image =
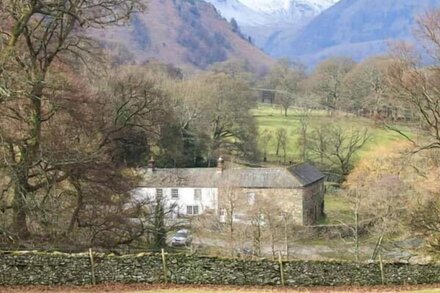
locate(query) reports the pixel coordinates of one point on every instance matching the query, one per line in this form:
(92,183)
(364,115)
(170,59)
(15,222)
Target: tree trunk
(356,234)
(19,224)
(79,205)
(231,226)
(272,243)
(286,237)
(27,158)
(257,238)
(159,234)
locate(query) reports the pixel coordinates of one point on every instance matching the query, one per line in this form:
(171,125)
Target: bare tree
(285,80)
(328,80)
(39,93)
(265,138)
(304,121)
(231,128)
(366,88)
(338,147)
(257,222)
(281,136)
(416,84)
(230,207)
(379,192)
(318,144)
(344,145)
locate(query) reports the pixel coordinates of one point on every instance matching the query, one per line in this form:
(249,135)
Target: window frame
(175,193)
(192,210)
(197,194)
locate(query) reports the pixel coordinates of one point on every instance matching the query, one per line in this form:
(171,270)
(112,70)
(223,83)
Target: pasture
(271,118)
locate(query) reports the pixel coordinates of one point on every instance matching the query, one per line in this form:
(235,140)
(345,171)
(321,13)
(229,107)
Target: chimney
(151,165)
(220,165)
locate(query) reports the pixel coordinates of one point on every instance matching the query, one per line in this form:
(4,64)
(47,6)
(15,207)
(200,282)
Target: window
(251,198)
(175,193)
(197,194)
(159,192)
(192,210)
(239,216)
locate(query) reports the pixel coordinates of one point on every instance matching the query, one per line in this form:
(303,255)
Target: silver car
(181,238)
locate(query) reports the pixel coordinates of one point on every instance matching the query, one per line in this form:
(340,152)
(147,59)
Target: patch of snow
(262,12)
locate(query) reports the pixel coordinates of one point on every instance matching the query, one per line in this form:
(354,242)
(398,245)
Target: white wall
(208,200)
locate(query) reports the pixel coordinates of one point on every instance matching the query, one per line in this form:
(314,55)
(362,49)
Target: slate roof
(293,177)
(306,174)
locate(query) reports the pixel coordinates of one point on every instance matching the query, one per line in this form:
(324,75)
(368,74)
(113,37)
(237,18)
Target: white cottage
(192,191)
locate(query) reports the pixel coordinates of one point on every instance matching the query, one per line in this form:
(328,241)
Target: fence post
(92,264)
(164,265)
(280,261)
(382,273)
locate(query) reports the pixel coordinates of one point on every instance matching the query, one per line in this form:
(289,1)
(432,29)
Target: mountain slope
(356,28)
(184,33)
(262,19)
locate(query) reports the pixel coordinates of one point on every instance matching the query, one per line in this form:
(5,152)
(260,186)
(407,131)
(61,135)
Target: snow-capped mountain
(352,28)
(276,5)
(262,19)
(244,15)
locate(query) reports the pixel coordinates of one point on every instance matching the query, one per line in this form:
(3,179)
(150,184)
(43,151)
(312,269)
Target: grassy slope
(270,117)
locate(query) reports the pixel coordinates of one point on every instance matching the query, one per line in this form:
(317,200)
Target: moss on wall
(56,269)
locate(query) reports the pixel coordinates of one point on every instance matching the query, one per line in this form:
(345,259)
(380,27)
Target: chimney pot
(220,165)
(151,165)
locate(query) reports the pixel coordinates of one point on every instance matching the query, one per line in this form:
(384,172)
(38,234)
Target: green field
(271,117)
(337,210)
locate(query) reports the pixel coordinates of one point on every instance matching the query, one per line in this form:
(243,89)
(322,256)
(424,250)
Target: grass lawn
(270,117)
(337,210)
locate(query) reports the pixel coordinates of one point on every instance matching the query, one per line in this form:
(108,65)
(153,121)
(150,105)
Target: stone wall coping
(155,254)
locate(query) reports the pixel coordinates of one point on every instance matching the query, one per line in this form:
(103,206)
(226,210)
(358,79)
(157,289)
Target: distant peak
(270,6)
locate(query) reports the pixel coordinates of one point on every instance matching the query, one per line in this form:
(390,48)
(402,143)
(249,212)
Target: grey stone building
(297,190)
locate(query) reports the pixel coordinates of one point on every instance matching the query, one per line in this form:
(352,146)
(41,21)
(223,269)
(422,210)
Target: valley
(220,142)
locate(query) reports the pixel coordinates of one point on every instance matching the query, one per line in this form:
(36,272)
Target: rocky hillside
(353,28)
(187,33)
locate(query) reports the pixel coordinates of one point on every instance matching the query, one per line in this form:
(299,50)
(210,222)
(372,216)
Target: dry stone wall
(56,269)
